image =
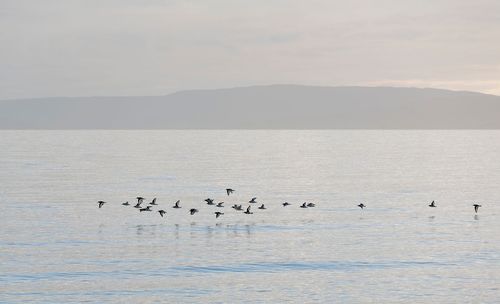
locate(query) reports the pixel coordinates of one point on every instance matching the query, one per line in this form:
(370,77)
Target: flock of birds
(229,191)
(140,200)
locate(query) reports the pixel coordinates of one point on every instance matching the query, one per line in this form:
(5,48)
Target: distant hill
(262,107)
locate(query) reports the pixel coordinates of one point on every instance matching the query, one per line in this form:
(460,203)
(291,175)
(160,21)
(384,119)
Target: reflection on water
(56,246)
(193,229)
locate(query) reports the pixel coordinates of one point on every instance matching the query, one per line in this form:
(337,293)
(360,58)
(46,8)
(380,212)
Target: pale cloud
(150,47)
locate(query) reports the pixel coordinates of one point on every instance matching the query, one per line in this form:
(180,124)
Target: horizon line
(256,86)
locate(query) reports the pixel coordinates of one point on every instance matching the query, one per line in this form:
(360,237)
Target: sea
(58,246)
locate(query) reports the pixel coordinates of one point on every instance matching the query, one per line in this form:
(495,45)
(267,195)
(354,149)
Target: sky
(156,47)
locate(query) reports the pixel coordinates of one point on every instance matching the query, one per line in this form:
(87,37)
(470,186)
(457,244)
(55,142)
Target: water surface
(56,246)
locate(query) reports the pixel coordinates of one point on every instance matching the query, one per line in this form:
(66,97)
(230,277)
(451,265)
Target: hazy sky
(153,47)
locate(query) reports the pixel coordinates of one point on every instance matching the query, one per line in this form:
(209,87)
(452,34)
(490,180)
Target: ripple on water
(178,271)
(304,266)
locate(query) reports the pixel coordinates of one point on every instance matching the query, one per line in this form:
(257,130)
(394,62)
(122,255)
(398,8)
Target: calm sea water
(56,246)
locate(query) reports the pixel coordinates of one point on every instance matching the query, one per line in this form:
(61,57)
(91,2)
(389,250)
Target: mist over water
(57,246)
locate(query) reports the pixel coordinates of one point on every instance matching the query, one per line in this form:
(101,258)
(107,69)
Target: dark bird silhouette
(176,205)
(433,204)
(253,200)
(100,203)
(148,208)
(220,205)
(311,205)
(153,202)
(262,207)
(125,204)
(229,191)
(217,214)
(237,207)
(209,201)
(361,205)
(286,204)
(139,202)
(476,207)
(193,211)
(248,211)
(162,212)
(304,205)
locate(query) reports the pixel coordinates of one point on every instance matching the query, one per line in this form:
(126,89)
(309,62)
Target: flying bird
(125,204)
(311,205)
(262,207)
(100,203)
(220,205)
(148,208)
(433,204)
(286,204)
(248,211)
(217,214)
(176,206)
(229,191)
(139,202)
(476,207)
(361,205)
(209,201)
(153,202)
(253,200)
(304,205)
(237,207)
(162,212)
(193,211)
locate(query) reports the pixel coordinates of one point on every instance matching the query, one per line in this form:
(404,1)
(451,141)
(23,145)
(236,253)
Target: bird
(220,205)
(176,206)
(101,203)
(148,208)
(286,204)
(139,202)
(476,207)
(217,214)
(162,212)
(229,191)
(193,211)
(236,207)
(153,202)
(432,204)
(304,205)
(209,201)
(125,204)
(262,207)
(248,211)
(253,200)
(311,205)
(361,206)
